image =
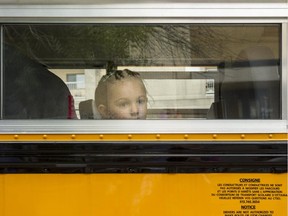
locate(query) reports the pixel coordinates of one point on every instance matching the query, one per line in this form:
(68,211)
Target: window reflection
(191,71)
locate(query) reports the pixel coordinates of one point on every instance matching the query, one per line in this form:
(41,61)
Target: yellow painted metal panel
(143,194)
(2,195)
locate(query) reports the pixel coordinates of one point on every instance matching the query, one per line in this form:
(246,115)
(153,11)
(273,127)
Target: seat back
(88,110)
(31,91)
(251,86)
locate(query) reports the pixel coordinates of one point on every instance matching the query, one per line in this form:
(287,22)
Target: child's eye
(123,104)
(141,101)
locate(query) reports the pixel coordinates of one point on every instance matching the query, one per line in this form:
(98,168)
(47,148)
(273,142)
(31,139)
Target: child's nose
(134,109)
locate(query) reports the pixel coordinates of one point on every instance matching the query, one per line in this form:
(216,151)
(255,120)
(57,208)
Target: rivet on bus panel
(242,136)
(270,136)
(186,136)
(129,136)
(16,136)
(101,136)
(44,136)
(214,136)
(158,136)
(73,136)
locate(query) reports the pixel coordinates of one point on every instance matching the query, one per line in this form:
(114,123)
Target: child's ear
(102,110)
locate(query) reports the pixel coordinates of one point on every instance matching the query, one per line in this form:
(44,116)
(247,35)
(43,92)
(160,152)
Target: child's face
(126,99)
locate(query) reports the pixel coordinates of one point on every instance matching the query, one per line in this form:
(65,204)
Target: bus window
(190,71)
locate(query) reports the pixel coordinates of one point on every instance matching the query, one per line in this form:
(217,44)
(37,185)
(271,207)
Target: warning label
(250,193)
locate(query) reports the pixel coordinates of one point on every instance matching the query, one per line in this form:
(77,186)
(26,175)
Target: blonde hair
(110,78)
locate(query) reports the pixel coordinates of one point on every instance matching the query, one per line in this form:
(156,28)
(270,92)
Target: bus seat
(31,91)
(88,110)
(251,86)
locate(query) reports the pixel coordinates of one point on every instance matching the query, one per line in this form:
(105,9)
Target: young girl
(121,94)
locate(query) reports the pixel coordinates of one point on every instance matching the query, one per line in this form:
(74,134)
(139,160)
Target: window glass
(141,71)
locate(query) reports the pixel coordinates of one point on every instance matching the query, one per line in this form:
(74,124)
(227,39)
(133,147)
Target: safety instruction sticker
(251,196)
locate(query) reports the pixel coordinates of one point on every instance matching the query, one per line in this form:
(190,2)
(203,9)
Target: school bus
(214,141)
